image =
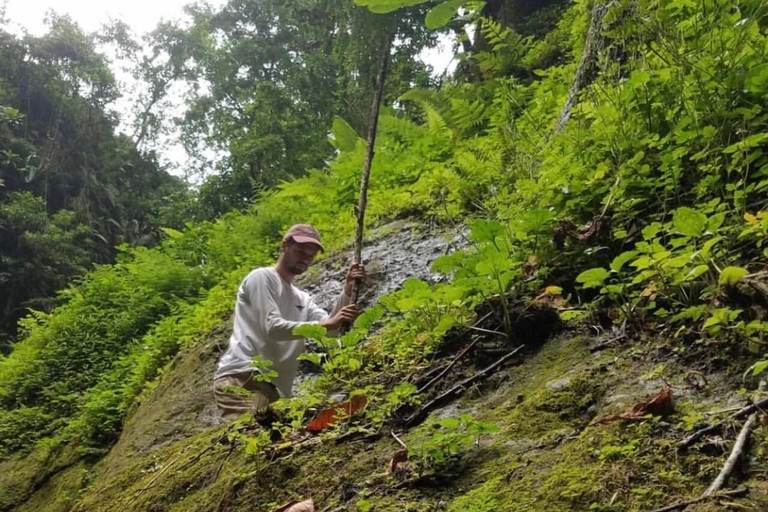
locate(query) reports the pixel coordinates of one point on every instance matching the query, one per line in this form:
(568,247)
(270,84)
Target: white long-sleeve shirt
(267,310)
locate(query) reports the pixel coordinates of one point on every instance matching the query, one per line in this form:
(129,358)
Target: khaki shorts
(240,393)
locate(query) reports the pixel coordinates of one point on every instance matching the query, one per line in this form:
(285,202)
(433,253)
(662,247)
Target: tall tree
(73,188)
(266,78)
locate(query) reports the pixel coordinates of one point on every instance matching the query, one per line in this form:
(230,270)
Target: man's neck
(284,273)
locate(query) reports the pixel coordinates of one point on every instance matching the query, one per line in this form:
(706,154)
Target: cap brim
(307,240)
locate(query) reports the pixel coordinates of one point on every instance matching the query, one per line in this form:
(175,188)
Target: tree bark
(592,46)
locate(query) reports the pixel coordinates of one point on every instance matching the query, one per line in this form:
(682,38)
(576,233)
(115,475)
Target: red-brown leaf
(331,415)
(399,457)
(659,405)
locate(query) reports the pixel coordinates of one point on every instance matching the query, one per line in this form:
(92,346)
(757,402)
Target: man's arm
(342,313)
(263,292)
(341,308)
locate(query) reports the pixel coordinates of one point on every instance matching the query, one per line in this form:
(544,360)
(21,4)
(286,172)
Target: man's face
(298,257)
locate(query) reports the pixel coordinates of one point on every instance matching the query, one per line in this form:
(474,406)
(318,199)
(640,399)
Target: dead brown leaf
(659,405)
(551,296)
(399,457)
(531,265)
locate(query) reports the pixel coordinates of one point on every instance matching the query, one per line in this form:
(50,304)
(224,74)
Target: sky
(142,16)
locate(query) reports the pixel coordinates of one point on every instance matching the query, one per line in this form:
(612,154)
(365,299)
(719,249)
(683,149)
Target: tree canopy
(72,187)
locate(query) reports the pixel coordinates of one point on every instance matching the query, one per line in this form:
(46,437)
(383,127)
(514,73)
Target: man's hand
(356,272)
(346,315)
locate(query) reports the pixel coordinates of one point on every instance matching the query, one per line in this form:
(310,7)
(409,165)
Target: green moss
(546,457)
(58,494)
(23,474)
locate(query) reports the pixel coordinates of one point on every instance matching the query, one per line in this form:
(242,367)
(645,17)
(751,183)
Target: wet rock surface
(395,253)
(392,254)
(183,405)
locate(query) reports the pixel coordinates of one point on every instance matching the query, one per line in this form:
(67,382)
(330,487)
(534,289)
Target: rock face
(395,253)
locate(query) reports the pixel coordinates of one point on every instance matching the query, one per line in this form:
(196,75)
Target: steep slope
(549,453)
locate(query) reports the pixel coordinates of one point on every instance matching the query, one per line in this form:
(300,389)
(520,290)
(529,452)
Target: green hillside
(606,162)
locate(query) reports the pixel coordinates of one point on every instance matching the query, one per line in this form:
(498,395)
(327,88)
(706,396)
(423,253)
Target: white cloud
(142,15)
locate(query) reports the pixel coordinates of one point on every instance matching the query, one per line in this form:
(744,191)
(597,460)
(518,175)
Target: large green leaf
(756,79)
(486,230)
(345,137)
(313,331)
(732,275)
(619,261)
(758,368)
(441,14)
(689,221)
(593,278)
(384,6)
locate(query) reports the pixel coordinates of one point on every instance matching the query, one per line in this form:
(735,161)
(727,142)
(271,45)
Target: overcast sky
(142,16)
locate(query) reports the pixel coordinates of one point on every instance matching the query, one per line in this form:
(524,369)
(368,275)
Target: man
(268,308)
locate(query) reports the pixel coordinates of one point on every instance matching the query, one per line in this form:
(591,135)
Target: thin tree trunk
(592,46)
(370,143)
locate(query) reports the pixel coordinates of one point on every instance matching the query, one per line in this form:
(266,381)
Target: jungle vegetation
(609,154)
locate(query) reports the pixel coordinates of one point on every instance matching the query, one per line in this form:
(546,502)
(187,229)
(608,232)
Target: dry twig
(458,388)
(733,458)
(688,441)
(456,359)
(448,368)
(398,439)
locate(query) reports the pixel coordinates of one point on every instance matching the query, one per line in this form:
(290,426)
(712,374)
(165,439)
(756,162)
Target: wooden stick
(723,494)
(458,388)
(369,154)
(398,439)
(715,426)
(487,331)
(733,458)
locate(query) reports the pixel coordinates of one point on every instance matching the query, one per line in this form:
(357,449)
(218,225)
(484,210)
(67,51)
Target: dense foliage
(645,212)
(265,80)
(71,188)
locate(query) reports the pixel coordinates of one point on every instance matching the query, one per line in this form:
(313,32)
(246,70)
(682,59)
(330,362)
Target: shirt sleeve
(263,293)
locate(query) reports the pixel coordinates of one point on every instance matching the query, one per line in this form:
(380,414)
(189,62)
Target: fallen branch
(461,354)
(607,343)
(757,282)
(448,368)
(733,458)
(398,439)
(151,483)
(458,388)
(487,331)
(749,409)
(723,411)
(723,494)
